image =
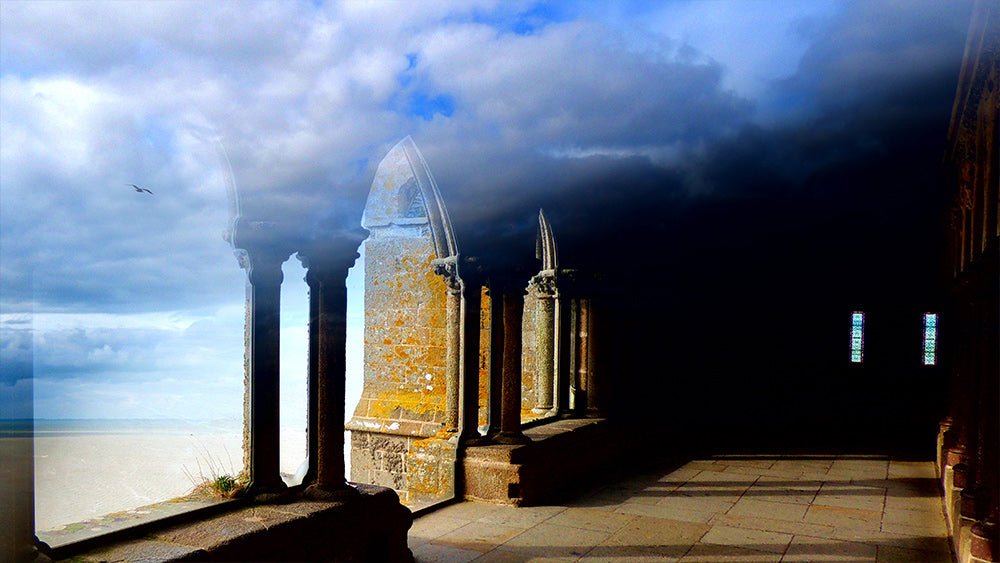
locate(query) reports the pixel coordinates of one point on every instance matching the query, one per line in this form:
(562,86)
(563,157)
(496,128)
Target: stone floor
(726,508)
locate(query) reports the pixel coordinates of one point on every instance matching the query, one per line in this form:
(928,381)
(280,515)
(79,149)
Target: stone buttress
(399,431)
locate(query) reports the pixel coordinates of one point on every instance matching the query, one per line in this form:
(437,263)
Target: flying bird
(140,190)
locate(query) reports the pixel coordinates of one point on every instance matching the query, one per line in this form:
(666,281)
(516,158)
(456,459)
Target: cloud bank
(617,119)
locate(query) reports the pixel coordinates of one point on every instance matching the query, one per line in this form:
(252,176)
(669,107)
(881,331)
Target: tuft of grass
(218,482)
(225,484)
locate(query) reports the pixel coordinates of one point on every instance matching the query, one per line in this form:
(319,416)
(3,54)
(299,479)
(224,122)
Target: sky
(115,303)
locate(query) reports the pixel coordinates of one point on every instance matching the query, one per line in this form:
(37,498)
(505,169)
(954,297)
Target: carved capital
(544,284)
(260,248)
(327,268)
(264,267)
(331,257)
(242,258)
(447,268)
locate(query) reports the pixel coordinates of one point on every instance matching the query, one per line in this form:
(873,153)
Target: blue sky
(118,304)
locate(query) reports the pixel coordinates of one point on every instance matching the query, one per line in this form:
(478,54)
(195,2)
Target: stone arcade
(495,374)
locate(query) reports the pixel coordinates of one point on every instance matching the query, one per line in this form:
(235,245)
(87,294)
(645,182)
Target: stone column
(453,324)
(447,268)
(563,338)
(469,381)
(312,370)
(265,277)
(328,270)
(544,288)
(495,406)
(596,400)
(582,355)
(510,412)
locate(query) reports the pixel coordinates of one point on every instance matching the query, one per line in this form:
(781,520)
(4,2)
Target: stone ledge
(522,475)
(407,428)
(370,527)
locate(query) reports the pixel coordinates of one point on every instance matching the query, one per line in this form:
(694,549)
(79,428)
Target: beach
(87,469)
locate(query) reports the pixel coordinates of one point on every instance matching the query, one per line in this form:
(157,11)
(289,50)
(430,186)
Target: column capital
(261,247)
(332,255)
(544,284)
(447,268)
(264,267)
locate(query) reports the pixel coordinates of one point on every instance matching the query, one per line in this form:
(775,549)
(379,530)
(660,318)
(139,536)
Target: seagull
(140,190)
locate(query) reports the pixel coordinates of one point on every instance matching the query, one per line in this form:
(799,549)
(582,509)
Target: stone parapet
(535,472)
(372,526)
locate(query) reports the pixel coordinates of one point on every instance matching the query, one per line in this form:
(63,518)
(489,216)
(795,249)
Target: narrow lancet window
(857,336)
(930,339)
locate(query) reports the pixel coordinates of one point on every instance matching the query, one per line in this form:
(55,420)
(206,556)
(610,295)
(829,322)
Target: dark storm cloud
(866,117)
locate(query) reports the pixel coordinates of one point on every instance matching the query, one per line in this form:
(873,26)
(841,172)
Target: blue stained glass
(930,339)
(857,337)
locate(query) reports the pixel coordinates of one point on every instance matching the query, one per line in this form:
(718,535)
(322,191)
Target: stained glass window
(930,338)
(857,336)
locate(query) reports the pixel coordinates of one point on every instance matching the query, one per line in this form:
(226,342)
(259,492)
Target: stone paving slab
(522,517)
(670,538)
(705,553)
(840,517)
(553,541)
(434,553)
(590,519)
(890,554)
(764,492)
(749,506)
(504,554)
(759,509)
(805,548)
(426,529)
(758,540)
(671,511)
(478,536)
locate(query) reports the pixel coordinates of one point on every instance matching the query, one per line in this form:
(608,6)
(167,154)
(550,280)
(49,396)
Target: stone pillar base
(511,438)
(420,469)
(982,546)
(535,472)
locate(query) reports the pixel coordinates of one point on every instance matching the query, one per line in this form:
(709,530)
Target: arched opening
(294,393)
(355,348)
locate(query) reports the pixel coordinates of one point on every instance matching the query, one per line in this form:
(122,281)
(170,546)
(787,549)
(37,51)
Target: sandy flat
(84,475)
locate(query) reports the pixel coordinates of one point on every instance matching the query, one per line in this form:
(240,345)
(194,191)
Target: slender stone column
(583,355)
(329,291)
(469,381)
(544,287)
(447,268)
(595,384)
(495,407)
(563,337)
(510,412)
(265,277)
(454,351)
(312,370)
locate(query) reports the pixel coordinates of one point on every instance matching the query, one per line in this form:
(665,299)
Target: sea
(88,468)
